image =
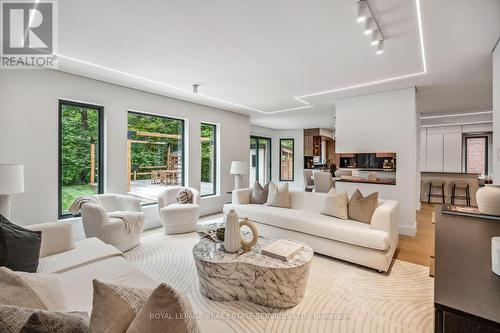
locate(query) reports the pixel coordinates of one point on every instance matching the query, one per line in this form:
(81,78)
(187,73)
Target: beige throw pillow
(362,208)
(164,311)
(259,193)
(24,320)
(278,195)
(336,204)
(114,307)
(31,290)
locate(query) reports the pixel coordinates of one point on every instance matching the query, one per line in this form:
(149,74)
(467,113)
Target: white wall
(276,135)
(496,115)
(29,135)
(385,122)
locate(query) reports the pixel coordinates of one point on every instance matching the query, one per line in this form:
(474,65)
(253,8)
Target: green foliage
(70,193)
(79,129)
(207,152)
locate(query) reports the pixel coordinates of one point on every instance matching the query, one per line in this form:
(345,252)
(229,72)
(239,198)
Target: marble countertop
(209,251)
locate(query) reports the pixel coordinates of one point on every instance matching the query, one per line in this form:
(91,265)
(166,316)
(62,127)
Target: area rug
(341,297)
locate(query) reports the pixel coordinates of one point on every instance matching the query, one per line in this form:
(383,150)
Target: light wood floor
(411,249)
(417,249)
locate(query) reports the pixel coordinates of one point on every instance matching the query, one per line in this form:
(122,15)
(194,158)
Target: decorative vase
(488,199)
(232,235)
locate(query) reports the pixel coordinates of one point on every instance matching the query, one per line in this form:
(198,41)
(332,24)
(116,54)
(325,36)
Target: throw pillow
(114,307)
(24,320)
(31,290)
(19,247)
(164,311)
(362,208)
(278,195)
(184,196)
(336,204)
(57,322)
(259,193)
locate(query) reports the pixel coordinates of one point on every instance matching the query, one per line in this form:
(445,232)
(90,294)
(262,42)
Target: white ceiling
(259,57)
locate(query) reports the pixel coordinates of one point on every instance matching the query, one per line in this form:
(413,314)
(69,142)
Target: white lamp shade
(239,168)
(11,178)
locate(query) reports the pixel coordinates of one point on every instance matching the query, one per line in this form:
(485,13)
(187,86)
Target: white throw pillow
(336,204)
(278,195)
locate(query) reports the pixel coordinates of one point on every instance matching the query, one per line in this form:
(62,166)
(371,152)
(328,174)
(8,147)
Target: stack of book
(282,249)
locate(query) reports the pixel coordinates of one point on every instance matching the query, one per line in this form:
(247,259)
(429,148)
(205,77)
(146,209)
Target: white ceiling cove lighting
(372,28)
(363,11)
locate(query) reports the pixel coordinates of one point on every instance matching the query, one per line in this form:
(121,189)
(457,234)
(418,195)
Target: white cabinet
(441,149)
(452,152)
(434,152)
(423,149)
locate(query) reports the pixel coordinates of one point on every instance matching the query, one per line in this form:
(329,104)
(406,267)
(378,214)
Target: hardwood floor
(417,249)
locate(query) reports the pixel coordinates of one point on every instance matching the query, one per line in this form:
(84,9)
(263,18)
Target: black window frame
(257,138)
(293,160)
(100,155)
(183,140)
(486,143)
(215,159)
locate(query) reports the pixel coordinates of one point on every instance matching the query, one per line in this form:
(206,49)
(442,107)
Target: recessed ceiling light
(363,11)
(380,48)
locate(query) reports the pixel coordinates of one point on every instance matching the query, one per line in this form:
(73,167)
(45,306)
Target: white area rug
(341,297)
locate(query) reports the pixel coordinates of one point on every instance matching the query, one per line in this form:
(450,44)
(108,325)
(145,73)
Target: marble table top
(209,251)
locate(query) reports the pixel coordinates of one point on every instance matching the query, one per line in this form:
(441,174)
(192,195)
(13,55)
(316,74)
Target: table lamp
(238,168)
(11,181)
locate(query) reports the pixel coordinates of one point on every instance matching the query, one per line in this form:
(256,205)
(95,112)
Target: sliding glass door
(260,159)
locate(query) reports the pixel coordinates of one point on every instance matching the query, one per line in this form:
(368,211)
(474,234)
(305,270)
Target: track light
(371,25)
(380,48)
(365,15)
(363,11)
(377,37)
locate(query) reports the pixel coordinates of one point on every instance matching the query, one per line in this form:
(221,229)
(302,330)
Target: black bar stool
(436,184)
(466,192)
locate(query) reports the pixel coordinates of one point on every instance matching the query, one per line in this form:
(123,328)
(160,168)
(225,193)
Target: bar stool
(436,184)
(466,191)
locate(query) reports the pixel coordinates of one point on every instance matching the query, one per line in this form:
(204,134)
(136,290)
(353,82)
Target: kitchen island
(448,178)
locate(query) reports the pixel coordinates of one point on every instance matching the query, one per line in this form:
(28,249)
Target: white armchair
(117,220)
(178,218)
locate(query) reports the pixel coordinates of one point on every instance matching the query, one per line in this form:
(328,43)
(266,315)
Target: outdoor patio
(148,192)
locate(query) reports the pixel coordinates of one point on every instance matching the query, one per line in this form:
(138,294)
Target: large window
(286,159)
(208,159)
(476,155)
(80,152)
(155,155)
(260,159)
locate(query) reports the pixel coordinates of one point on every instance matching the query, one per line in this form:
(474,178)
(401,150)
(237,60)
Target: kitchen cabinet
(434,152)
(452,152)
(441,149)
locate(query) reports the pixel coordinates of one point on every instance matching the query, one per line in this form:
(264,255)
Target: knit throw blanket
(132,219)
(76,206)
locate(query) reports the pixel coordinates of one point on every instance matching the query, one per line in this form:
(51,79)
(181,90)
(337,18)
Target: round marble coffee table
(252,276)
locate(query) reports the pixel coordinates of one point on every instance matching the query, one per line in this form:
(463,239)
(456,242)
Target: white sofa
(112,230)
(78,263)
(372,245)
